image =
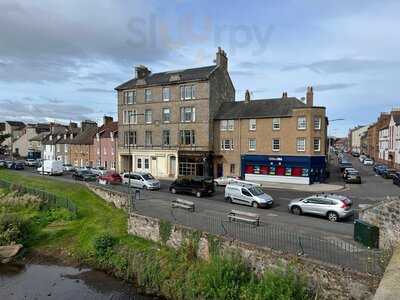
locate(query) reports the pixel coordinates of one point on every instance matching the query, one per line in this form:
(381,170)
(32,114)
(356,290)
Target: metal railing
(346,254)
(49,200)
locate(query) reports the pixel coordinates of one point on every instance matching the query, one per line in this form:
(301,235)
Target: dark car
(345,164)
(352,176)
(396,178)
(381,169)
(199,186)
(388,173)
(377,166)
(17,165)
(84,175)
(355,154)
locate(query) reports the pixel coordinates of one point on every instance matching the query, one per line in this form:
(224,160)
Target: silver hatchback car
(332,206)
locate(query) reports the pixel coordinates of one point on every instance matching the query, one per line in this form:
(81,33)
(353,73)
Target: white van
(247,194)
(141,180)
(51,167)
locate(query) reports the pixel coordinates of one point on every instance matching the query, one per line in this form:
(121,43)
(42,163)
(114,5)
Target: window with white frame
(188,114)
(276,124)
(276,144)
(148,138)
(317,145)
(129,117)
(129,138)
(301,144)
(187,137)
(223,125)
(166,137)
(139,163)
(166,115)
(252,124)
(146,163)
(302,123)
(148,116)
(166,94)
(252,144)
(130,97)
(147,95)
(227,144)
(231,125)
(317,123)
(187,92)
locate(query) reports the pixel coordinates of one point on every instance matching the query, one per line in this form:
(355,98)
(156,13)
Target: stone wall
(330,281)
(120,200)
(385,215)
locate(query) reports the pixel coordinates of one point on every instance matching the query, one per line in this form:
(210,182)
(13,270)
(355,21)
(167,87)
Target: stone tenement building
(279,140)
(166,119)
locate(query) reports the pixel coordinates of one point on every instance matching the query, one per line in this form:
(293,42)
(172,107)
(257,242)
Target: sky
(61,60)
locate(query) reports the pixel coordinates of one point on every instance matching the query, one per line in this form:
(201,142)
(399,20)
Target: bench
(242,216)
(184,204)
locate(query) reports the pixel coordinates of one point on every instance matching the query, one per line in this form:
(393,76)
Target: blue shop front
(284,169)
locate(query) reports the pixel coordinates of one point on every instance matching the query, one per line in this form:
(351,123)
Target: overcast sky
(61,60)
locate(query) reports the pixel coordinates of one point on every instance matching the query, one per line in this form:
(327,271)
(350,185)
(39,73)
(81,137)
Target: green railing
(49,200)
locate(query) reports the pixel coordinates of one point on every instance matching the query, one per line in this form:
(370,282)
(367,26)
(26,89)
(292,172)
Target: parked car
(51,167)
(379,168)
(99,171)
(68,168)
(141,180)
(345,164)
(225,180)
(198,186)
(17,165)
(84,175)
(355,154)
(110,178)
(332,206)
(247,194)
(388,173)
(362,158)
(9,164)
(346,171)
(30,162)
(3,163)
(396,178)
(352,176)
(368,162)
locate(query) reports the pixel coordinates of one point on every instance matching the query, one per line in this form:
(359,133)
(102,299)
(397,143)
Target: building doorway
(220,170)
(172,166)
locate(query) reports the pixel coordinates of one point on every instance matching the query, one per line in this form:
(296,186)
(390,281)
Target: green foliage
(103,244)
(277,285)
(13,229)
(165,229)
(214,245)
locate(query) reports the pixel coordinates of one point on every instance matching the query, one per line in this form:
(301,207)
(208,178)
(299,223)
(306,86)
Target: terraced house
(278,140)
(165,119)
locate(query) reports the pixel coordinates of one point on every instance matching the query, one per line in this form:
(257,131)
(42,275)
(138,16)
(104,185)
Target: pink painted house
(105,145)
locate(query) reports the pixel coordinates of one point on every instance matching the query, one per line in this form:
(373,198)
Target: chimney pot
(247,96)
(221,58)
(141,72)
(284,95)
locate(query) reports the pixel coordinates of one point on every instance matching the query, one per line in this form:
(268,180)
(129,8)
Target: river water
(62,283)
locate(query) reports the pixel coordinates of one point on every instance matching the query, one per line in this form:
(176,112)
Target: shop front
(283,169)
(195,163)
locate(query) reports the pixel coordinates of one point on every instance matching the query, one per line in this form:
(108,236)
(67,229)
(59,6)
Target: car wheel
(254,204)
(229,199)
(332,216)
(198,194)
(296,210)
(173,191)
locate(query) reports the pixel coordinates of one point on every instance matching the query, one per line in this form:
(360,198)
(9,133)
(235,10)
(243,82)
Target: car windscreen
(256,191)
(147,177)
(354,173)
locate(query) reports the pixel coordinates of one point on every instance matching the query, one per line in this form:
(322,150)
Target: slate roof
(16,124)
(68,140)
(2,126)
(85,137)
(201,73)
(40,137)
(105,130)
(265,108)
(58,131)
(396,119)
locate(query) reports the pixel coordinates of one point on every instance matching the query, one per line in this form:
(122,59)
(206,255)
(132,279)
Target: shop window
(272,171)
(288,172)
(297,171)
(256,170)
(280,170)
(249,169)
(264,170)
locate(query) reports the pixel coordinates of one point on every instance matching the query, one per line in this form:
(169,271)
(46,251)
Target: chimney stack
(221,58)
(107,120)
(247,96)
(284,95)
(85,125)
(141,72)
(310,97)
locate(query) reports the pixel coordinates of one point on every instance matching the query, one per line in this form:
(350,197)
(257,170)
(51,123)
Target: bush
(13,229)
(103,244)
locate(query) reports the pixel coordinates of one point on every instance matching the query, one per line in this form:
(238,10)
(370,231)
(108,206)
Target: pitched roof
(396,119)
(201,73)
(276,107)
(16,124)
(56,134)
(40,137)
(105,129)
(85,137)
(2,126)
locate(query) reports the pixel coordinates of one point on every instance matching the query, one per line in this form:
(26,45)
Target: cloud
(43,110)
(346,65)
(95,90)
(325,87)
